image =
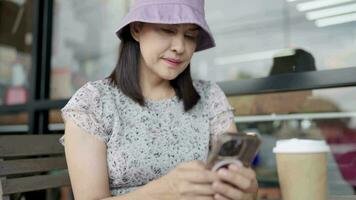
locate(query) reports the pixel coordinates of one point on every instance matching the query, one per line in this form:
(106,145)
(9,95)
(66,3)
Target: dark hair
(126,74)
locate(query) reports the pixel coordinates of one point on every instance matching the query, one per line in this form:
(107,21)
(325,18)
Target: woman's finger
(199,198)
(227,190)
(236,179)
(220,197)
(199,176)
(195,164)
(198,189)
(248,172)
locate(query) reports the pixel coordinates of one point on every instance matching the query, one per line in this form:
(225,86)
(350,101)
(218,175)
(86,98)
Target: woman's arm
(87,165)
(86,161)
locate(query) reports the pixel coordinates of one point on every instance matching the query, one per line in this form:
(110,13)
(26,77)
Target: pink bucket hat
(171,12)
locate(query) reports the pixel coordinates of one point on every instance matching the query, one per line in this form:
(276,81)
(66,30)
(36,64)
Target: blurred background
(287,66)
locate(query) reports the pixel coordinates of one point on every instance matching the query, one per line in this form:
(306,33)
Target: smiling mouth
(172,62)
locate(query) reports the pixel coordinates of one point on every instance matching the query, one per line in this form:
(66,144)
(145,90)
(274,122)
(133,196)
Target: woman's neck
(154,87)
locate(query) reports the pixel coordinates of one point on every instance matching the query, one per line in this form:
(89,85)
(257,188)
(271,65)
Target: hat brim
(178,14)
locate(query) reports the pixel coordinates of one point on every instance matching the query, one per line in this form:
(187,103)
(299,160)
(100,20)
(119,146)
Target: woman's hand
(189,180)
(236,183)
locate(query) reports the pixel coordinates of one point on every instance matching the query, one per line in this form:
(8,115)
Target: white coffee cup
(302,168)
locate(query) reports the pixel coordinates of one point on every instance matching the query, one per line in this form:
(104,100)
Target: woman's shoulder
(100,87)
(205,87)
(201,85)
(95,91)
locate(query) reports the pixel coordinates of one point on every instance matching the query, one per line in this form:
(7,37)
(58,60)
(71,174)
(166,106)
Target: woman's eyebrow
(194,29)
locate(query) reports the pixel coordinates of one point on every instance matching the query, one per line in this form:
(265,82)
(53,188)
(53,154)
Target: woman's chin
(169,77)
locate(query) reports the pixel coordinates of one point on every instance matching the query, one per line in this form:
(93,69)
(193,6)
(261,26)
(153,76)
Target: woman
(144,132)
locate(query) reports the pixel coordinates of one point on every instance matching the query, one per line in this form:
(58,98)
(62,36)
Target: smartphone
(233,148)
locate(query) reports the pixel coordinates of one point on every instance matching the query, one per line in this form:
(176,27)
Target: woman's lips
(172,62)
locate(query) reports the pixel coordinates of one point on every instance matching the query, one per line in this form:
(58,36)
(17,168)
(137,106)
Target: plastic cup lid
(300,146)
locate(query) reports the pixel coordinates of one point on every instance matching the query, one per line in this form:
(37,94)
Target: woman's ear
(135,29)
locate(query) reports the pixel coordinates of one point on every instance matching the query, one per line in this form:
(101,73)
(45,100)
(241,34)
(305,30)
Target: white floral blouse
(144,143)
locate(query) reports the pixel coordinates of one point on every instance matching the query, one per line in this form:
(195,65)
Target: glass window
(84,46)
(254,39)
(328,114)
(55,121)
(255,36)
(15,50)
(14,123)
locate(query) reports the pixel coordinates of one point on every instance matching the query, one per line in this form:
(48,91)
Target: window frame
(39,103)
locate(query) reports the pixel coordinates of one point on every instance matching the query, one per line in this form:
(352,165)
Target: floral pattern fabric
(145,143)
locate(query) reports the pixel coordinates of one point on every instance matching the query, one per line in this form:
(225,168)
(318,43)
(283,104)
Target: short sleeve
(221,114)
(85,110)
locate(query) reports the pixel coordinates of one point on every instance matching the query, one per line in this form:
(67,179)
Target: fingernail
(223,172)
(233,167)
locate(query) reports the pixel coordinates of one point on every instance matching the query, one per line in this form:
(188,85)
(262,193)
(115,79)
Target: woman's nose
(178,44)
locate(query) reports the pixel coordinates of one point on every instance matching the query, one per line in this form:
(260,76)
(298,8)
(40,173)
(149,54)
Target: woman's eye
(167,30)
(192,37)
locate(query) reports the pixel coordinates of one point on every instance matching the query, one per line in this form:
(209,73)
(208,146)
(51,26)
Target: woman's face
(166,49)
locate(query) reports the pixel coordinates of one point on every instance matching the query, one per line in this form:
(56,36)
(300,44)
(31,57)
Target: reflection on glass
(55,117)
(14,123)
(19,122)
(249,33)
(15,50)
(84,43)
(328,114)
(55,121)
(299,61)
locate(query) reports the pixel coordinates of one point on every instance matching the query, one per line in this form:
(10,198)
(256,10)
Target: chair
(31,163)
